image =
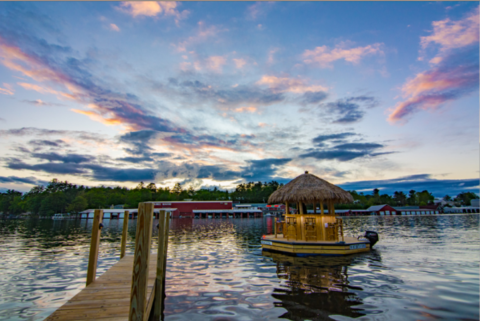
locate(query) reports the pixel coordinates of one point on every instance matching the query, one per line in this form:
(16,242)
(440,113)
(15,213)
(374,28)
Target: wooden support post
(300,204)
(143,238)
(124,234)
(314,208)
(321,208)
(341,230)
(94,243)
(163,229)
(287,211)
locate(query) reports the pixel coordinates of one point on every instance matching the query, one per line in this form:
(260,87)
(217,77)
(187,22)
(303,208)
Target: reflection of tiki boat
(315,289)
(313,234)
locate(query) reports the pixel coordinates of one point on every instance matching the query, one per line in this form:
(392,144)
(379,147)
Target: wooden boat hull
(302,248)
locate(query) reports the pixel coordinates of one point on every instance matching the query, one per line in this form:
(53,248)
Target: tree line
(65,197)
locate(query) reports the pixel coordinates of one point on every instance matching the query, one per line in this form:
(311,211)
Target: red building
(185,208)
(382,210)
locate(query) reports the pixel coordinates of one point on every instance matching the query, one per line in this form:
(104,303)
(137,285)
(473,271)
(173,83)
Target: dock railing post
(163,229)
(143,238)
(124,233)
(94,244)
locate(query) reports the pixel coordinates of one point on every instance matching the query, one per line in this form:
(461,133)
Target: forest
(65,197)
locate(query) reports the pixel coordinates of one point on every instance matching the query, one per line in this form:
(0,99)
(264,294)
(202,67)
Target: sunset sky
(362,94)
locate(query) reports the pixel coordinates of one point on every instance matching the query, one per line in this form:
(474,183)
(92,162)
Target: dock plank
(108,297)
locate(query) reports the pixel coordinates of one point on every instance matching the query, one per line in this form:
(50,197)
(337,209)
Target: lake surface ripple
(423,268)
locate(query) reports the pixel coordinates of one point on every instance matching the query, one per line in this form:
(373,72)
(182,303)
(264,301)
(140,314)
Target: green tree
(152,187)
(177,189)
(53,203)
(411,200)
(465,198)
(79,204)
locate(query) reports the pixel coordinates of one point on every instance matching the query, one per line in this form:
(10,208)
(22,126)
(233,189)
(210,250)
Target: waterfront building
(119,213)
(463,209)
(186,209)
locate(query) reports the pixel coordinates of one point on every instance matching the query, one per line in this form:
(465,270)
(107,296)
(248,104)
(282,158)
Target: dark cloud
(342,151)
(350,109)
(264,169)
(313,97)
(52,168)
(229,96)
(70,158)
(161,155)
(338,137)
(218,173)
(359,146)
(368,101)
(348,112)
(139,141)
(40,132)
(136,159)
(115,174)
(15,179)
(201,140)
(341,155)
(48,143)
(421,182)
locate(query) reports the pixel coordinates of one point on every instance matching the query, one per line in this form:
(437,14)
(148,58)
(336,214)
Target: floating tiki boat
(303,234)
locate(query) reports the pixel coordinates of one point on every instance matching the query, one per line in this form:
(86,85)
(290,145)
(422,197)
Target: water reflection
(315,287)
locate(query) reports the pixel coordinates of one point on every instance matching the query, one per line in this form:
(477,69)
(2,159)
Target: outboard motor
(371,236)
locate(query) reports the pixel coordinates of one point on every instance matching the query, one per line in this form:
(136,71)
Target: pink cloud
(114,27)
(31,66)
(453,34)
(271,53)
(98,117)
(258,8)
(151,8)
(46,90)
(114,108)
(239,63)
(323,56)
(202,34)
(429,90)
(249,109)
(455,71)
(285,84)
(8,90)
(214,63)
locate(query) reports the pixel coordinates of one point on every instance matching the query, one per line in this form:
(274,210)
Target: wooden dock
(108,297)
(133,288)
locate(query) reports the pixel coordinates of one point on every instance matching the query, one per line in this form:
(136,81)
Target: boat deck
(108,297)
(347,239)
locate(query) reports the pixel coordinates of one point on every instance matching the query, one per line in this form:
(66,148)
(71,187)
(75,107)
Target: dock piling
(163,228)
(94,244)
(143,238)
(124,233)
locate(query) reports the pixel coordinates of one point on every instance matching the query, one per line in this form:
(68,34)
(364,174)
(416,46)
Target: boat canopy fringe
(308,188)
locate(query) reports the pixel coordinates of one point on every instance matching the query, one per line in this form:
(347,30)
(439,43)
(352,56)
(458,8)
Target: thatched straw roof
(308,188)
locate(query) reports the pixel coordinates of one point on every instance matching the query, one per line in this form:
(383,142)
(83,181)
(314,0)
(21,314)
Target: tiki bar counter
(321,233)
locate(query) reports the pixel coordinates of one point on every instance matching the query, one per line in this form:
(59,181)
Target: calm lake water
(423,268)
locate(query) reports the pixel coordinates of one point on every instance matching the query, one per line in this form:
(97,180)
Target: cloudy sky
(362,94)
